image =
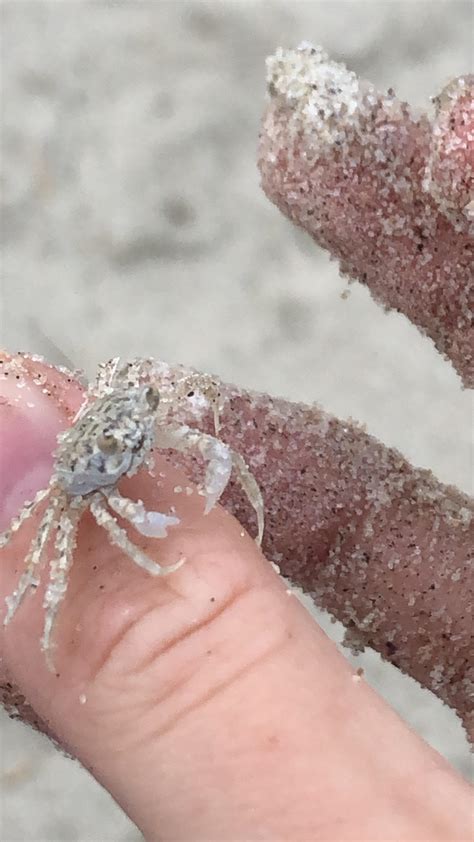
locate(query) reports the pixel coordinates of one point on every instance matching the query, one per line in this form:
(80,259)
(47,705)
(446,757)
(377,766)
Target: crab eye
(152,397)
(107,443)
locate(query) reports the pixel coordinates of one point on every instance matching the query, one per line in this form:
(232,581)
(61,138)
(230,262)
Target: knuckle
(173,662)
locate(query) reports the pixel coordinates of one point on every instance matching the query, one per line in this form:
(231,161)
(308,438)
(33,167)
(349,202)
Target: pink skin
(191,697)
(384,191)
(382,545)
(450,165)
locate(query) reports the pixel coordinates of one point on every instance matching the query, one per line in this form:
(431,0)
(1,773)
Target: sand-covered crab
(123,416)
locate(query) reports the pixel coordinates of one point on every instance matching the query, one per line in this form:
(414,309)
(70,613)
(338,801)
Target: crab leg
(25,512)
(149,523)
(30,577)
(221,459)
(195,382)
(64,547)
(105,379)
(115,372)
(119,537)
(249,485)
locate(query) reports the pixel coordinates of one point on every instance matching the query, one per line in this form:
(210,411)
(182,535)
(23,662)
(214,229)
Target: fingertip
(106,589)
(450,168)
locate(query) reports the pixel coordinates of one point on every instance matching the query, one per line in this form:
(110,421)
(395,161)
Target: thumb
(207,702)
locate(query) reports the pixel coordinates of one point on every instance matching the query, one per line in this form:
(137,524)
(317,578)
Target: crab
(123,416)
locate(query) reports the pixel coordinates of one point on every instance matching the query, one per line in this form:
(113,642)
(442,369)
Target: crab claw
(155,524)
(152,524)
(218,470)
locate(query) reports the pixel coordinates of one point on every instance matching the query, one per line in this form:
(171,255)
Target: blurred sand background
(133,223)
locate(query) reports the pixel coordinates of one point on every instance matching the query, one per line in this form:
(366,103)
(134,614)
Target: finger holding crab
(111,437)
(98,496)
(153,669)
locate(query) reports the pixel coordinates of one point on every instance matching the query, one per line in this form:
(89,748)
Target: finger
(209,703)
(450,165)
(382,546)
(375,186)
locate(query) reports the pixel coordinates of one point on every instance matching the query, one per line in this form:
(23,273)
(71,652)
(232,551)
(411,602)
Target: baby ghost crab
(122,418)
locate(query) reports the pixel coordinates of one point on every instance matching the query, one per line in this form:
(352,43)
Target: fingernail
(35,400)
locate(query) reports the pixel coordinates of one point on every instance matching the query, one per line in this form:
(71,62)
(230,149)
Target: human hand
(148,699)
(208,703)
(389,192)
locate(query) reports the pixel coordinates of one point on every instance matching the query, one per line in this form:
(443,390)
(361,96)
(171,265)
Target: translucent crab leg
(185,387)
(33,561)
(150,523)
(119,537)
(60,567)
(141,370)
(25,512)
(102,385)
(251,489)
(221,459)
(134,373)
(105,379)
(215,452)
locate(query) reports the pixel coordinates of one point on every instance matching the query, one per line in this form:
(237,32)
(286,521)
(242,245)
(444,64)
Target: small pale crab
(122,418)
